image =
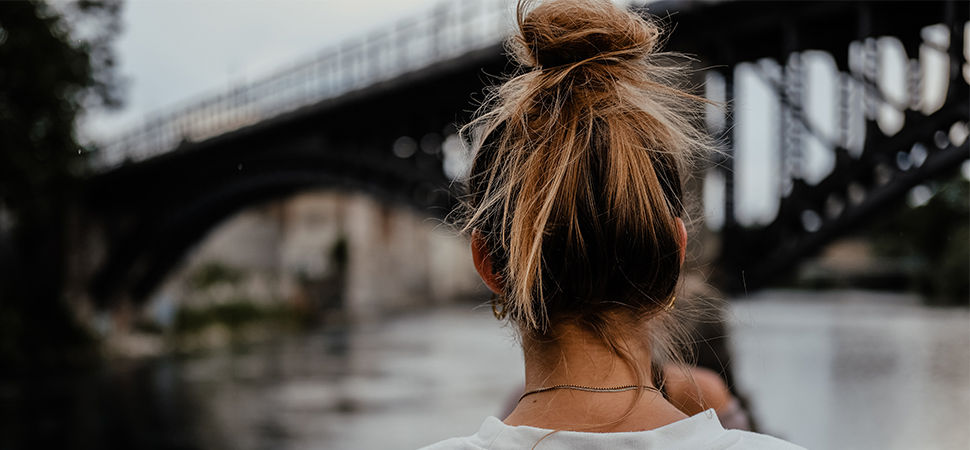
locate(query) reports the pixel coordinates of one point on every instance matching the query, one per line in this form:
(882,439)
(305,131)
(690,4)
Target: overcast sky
(174,50)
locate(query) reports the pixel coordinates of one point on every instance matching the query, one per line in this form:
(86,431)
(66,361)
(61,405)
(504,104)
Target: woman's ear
(483,263)
(683,239)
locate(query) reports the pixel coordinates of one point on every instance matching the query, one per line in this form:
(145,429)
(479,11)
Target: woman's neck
(577,356)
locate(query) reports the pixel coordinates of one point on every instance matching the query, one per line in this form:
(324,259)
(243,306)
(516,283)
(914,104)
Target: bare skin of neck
(578,357)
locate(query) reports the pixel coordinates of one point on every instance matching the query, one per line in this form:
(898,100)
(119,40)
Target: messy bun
(576,178)
(557,34)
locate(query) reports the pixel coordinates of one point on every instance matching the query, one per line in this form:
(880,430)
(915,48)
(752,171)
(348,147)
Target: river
(837,369)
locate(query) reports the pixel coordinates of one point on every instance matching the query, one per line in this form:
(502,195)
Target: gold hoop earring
(670,305)
(499,311)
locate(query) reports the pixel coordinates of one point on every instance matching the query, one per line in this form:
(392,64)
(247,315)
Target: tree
(54,63)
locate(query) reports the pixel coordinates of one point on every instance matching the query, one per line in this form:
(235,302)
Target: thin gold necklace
(577,387)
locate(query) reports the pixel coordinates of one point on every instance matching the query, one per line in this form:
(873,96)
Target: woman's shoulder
(701,431)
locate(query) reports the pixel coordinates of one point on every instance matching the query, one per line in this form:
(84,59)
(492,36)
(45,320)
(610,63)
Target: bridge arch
(148,238)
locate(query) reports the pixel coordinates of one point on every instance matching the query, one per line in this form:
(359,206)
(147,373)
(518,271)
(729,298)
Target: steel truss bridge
(379,114)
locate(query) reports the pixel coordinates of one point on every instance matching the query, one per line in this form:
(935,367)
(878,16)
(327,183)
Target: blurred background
(222,224)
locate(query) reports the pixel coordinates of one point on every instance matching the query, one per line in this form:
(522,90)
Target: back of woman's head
(576,181)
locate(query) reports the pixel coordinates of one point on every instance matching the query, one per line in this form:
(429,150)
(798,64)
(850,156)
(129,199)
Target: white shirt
(702,431)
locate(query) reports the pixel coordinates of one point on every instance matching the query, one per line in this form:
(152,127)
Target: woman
(574,210)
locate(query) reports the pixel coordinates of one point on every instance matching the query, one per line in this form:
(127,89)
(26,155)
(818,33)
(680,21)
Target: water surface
(844,369)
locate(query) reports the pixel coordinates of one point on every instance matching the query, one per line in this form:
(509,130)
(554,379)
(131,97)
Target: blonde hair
(578,161)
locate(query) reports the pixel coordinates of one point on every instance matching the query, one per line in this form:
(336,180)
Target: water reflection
(826,370)
(855,370)
(395,384)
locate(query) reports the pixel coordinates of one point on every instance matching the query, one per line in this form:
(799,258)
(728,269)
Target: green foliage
(233,314)
(951,277)
(214,273)
(936,238)
(49,71)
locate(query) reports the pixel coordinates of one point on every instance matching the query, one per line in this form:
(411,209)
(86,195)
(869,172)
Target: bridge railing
(453,28)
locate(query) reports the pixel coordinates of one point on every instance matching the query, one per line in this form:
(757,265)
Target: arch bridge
(379,115)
